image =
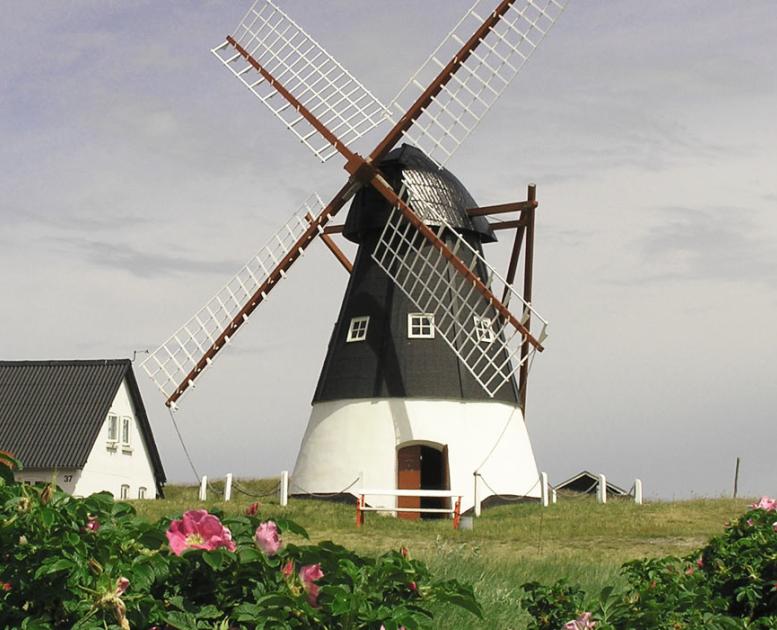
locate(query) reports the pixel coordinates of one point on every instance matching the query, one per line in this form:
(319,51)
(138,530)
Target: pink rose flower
(197,529)
(309,574)
(749,522)
(770,505)
(267,537)
(583,622)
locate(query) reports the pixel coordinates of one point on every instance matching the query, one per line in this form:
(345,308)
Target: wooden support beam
(339,254)
(528,272)
(332,246)
(518,206)
(507,225)
(334,229)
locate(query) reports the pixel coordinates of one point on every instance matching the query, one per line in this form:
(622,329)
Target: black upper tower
(387,363)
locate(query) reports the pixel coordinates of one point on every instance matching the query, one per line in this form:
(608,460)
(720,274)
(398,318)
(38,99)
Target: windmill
(418,388)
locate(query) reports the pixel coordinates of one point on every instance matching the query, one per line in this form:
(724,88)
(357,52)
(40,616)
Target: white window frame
(141,492)
(113,429)
(124,492)
(126,431)
(357,331)
(484,329)
(420,325)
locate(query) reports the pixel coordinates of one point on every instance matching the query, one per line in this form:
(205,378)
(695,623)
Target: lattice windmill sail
(488,344)
(270,52)
(506,39)
(420,269)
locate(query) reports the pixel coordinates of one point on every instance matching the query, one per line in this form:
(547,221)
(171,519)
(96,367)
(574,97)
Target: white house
(81,424)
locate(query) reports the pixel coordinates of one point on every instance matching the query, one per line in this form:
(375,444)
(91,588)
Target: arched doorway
(422,466)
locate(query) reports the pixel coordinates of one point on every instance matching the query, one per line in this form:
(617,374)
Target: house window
(420,325)
(113,428)
(141,493)
(357,331)
(483,329)
(124,493)
(126,424)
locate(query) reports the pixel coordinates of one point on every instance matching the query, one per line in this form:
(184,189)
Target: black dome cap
(440,196)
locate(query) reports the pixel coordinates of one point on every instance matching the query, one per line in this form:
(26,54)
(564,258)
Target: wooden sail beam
(436,86)
(296,251)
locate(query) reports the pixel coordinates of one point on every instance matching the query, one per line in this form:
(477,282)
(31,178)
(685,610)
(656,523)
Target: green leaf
(181,620)
(54,566)
(215,559)
(36,624)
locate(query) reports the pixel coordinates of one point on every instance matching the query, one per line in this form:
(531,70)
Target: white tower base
(346,438)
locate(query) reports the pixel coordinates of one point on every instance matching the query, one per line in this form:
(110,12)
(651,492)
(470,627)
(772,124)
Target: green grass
(509,545)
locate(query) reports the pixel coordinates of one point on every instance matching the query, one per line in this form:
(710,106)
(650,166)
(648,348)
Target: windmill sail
(281,50)
(475,71)
(190,350)
(488,344)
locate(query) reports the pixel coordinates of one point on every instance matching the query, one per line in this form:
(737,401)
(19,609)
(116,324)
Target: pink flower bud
(122,584)
(309,574)
(252,509)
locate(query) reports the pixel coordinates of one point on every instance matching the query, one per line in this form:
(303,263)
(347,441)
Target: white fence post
(204,488)
(554,496)
(476,476)
(601,491)
(544,488)
(638,491)
(284,488)
(228,488)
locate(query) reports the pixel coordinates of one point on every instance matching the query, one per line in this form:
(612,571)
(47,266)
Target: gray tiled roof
(52,411)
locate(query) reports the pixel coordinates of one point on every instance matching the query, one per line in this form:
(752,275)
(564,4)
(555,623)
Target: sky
(137,175)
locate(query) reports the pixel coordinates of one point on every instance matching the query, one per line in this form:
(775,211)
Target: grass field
(509,544)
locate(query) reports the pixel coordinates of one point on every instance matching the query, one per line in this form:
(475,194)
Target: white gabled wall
(348,437)
(108,468)
(65,479)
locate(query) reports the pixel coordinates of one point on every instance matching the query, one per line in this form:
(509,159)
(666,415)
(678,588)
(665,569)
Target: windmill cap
(439,197)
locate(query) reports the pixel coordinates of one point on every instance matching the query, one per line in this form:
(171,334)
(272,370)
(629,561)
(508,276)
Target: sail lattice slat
(489,345)
(308,72)
(171,364)
(479,81)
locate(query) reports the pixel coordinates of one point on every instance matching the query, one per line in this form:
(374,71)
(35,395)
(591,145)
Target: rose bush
(89,563)
(731,583)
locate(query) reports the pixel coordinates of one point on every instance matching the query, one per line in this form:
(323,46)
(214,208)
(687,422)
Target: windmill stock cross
(322,98)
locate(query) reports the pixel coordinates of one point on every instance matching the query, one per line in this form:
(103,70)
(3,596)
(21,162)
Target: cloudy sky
(136,176)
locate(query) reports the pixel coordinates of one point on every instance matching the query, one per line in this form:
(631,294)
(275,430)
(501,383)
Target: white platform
(351,437)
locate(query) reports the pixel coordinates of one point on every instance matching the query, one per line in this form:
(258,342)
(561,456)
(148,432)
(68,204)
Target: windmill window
(124,492)
(357,331)
(484,329)
(113,428)
(420,325)
(141,493)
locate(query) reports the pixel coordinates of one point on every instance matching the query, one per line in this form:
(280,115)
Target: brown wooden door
(409,478)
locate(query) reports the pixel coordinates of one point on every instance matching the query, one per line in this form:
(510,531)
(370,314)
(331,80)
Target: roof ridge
(54,362)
